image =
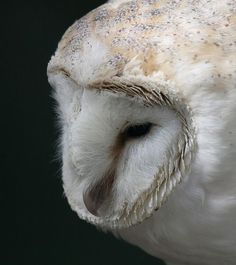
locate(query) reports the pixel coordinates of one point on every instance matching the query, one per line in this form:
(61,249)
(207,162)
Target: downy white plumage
(146,92)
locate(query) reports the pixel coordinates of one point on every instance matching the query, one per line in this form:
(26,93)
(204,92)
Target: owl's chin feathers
(145,170)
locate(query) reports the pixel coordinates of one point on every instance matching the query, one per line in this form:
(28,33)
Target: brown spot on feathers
(149,62)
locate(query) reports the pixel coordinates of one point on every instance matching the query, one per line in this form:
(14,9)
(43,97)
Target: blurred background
(47,232)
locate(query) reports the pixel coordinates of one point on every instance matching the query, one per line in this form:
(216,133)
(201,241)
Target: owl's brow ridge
(133,90)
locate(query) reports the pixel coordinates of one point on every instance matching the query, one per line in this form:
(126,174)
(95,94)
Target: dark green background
(47,231)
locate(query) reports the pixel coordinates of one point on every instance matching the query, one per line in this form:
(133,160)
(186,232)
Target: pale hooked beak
(95,197)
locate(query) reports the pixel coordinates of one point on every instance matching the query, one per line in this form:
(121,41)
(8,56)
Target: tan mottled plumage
(159,34)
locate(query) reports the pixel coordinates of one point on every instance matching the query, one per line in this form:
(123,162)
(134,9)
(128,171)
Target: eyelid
(129,124)
(133,131)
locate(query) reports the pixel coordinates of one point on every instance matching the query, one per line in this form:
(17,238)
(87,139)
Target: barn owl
(146,94)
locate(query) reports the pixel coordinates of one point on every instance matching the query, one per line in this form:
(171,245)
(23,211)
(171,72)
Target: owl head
(124,77)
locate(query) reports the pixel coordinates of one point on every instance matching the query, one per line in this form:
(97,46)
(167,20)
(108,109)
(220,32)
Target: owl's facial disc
(121,156)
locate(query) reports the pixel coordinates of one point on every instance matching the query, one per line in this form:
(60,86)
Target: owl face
(123,153)
(127,132)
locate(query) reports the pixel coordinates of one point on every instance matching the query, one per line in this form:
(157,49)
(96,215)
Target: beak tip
(90,203)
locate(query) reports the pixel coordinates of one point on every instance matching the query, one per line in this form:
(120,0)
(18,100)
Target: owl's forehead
(157,35)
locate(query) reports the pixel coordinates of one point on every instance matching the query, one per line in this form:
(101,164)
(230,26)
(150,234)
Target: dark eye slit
(138,130)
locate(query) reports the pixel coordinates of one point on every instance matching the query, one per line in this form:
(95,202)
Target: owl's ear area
(95,195)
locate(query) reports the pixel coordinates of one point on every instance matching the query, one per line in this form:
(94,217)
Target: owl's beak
(95,196)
